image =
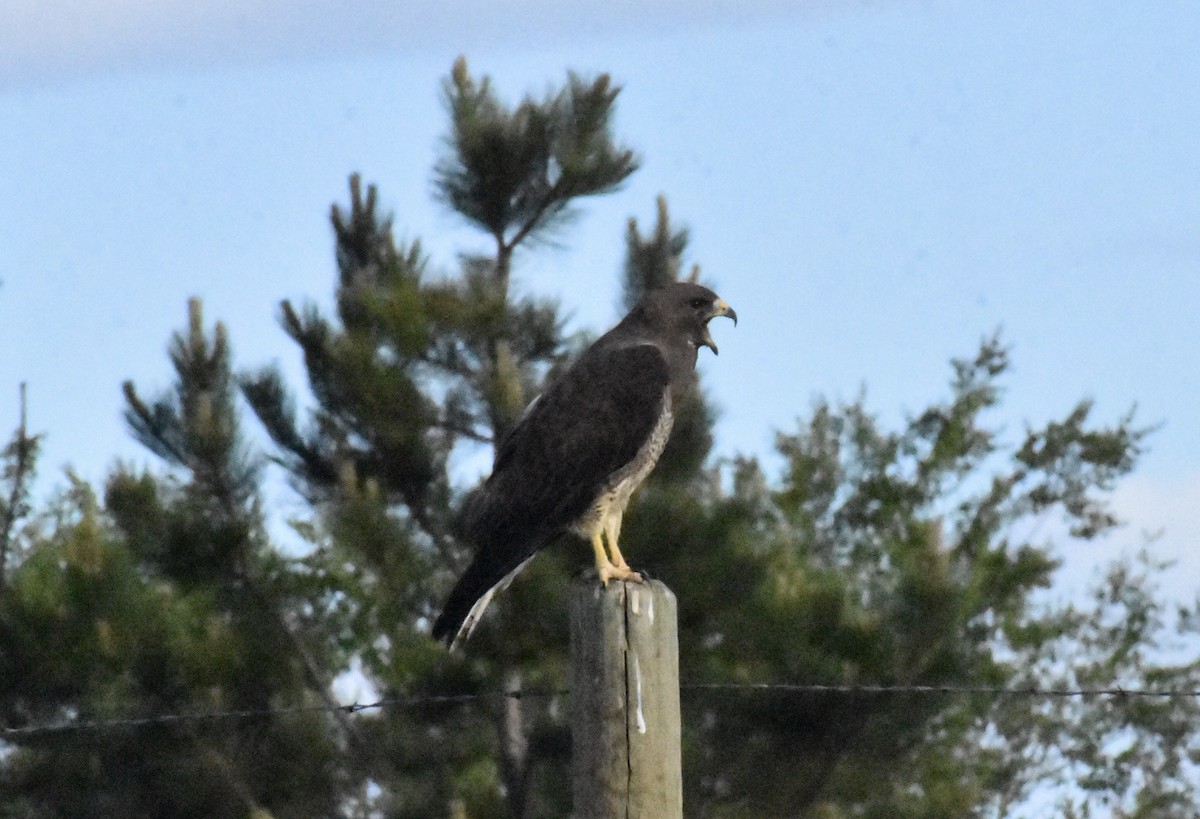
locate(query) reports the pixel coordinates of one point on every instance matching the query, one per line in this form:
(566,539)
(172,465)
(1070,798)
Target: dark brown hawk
(582,447)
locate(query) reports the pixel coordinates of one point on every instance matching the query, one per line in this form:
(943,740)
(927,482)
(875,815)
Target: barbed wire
(253,713)
(422,701)
(993,690)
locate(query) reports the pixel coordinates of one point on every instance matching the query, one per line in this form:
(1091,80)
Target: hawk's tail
(469,597)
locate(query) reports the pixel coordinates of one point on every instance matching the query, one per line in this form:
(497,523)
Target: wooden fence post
(625,701)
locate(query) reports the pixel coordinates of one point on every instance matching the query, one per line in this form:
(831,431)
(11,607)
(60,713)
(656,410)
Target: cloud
(1166,513)
(1161,514)
(53,41)
(48,42)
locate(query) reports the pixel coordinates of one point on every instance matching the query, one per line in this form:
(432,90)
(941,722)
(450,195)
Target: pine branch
(654,260)
(22,450)
(514,172)
(269,400)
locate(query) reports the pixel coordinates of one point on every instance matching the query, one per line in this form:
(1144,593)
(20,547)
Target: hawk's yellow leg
(612,531)
(605,568)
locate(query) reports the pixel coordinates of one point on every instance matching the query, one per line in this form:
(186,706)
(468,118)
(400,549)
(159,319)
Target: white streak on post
(637,675)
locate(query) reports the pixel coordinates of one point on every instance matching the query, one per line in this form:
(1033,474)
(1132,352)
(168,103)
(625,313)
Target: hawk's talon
(611,572)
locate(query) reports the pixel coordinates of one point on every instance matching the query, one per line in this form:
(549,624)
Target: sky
(874,186)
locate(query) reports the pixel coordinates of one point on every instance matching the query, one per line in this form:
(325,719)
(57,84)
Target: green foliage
(652,261)
(513,173)
(19,458)
(877,557)
(164,600)
(866,555)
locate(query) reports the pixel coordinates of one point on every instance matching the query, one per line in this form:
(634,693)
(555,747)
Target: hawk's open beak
(720,308)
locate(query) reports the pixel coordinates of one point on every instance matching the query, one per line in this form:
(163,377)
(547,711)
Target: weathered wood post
(625,701)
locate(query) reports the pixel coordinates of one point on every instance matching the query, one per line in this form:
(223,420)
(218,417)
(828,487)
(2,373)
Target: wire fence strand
(992,690)
(17,733)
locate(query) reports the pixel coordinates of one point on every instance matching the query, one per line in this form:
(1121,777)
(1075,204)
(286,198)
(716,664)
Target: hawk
(581,448)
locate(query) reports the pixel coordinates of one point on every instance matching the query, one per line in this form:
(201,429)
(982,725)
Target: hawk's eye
(698,303)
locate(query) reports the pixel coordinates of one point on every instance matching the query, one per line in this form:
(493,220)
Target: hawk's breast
(619,487)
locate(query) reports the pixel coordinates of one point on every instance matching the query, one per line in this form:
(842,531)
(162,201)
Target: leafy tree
(871,557)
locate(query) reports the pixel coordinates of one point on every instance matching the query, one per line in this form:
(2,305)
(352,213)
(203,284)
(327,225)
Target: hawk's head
(684,309)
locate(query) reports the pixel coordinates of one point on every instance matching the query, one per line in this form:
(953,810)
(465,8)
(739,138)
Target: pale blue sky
(874,187)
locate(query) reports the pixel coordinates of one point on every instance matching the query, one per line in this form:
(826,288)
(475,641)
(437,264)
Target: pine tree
(166,599)
(415,366)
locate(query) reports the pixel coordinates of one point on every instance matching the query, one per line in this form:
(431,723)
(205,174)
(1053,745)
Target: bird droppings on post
(637,676)
(635,603)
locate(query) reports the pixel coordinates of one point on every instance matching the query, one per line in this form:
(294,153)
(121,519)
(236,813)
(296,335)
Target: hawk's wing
(555,463)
